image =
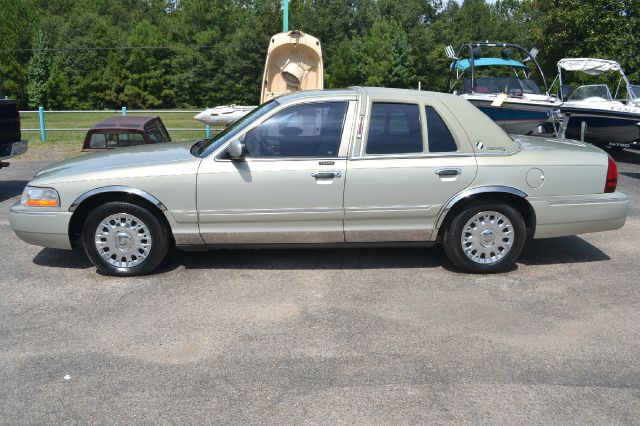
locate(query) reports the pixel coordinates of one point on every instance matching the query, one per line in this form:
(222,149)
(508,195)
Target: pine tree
(38,72)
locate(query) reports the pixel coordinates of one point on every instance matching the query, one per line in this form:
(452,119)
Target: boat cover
(464,64)
(589,66)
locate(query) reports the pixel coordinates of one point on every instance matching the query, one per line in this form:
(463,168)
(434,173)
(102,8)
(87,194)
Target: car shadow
(11,188)
(537,252)
(550,251)
(308,258)
(67,259)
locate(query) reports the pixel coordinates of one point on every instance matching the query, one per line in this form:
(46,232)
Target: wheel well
(82,211)
(515,201)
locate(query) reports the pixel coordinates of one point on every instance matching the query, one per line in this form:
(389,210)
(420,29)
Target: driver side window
(307,130)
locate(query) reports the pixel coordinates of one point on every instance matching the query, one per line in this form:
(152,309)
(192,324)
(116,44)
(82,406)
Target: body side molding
(117,189)
(474,191)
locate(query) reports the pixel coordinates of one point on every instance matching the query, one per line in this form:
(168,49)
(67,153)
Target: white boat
(594,115)
(294,63)
(502,87)
(223,115)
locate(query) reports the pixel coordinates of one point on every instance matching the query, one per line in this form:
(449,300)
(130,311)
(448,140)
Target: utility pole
(285,16)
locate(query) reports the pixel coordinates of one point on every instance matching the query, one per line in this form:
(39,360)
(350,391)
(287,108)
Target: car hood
(144,155)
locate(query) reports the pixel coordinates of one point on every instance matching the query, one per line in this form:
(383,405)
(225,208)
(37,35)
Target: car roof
(131,122)
(372,92)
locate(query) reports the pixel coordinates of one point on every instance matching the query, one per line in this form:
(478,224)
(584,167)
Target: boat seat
(293,74)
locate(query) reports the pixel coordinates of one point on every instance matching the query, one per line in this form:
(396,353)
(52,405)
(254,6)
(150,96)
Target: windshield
(509,85)
(207,146)
(594,92)
(634,91)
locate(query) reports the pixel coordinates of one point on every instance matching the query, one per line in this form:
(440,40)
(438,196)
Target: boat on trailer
(294,63)
(502,87)
(223,115)
(593,114)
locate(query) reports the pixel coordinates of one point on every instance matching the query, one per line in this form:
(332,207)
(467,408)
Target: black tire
(144,229)
(453,239)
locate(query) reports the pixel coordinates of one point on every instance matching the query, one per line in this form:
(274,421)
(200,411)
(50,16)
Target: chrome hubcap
(487,237)
(123,240)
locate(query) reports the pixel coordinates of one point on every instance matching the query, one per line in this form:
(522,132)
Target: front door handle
(326,175)
(448,172)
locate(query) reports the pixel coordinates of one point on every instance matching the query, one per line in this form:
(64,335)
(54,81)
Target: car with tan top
(358,166)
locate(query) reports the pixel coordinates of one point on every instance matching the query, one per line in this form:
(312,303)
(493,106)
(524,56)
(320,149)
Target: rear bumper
(12,149)
(41,228)
(579,214)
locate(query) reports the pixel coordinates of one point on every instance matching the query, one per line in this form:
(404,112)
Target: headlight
(40,197)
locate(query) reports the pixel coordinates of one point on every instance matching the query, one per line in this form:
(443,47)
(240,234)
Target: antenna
(450,52)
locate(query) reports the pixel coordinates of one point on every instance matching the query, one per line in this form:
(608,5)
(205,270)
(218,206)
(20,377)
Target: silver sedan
(356,166)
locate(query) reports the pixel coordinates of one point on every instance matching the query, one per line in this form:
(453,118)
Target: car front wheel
(124,239)
(485,238)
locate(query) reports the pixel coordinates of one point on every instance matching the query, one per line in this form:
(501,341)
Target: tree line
(85,54)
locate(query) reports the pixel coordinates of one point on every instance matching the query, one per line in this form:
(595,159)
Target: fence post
(207,131)
(285,16)
(124,111)
(43,131)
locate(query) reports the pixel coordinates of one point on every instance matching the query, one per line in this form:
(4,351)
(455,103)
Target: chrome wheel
(487,237)
(123,240)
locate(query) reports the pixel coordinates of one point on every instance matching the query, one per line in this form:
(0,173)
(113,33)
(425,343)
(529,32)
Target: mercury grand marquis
(335,167)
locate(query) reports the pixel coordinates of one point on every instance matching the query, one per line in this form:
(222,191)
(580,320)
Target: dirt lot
(324,336)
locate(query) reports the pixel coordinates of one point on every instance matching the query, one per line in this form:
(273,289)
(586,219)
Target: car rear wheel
(124,239)
(485,238)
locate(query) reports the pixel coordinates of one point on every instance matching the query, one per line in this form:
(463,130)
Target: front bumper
(12,149)
(579,214)
(46,228)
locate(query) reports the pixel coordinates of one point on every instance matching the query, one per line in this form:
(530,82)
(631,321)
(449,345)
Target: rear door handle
(448,172)
(326,175)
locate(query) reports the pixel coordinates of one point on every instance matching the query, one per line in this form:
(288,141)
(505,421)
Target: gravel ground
(324,336)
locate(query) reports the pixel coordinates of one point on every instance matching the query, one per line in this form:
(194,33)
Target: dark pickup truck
(11,143)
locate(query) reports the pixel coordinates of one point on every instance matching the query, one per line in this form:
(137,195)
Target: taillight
(612,176)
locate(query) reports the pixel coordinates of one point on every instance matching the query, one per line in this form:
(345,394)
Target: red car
(119,132)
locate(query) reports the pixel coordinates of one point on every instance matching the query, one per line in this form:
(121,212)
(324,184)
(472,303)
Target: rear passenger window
(440,138)
(97,141)
(130,139)
(394,129)
(112,140)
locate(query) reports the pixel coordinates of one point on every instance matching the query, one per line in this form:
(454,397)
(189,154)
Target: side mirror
(236,149)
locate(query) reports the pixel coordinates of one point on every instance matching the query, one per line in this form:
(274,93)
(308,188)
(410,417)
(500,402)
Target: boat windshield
(634,91)
(509,85)
(592,92)
(207,146)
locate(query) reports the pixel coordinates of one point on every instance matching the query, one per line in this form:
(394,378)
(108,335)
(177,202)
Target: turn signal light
(612,176)
(43,203)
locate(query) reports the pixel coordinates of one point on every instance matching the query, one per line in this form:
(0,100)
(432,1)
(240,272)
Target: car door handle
(326,175)
(448,172)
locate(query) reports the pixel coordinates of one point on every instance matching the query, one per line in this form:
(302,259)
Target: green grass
(65,144)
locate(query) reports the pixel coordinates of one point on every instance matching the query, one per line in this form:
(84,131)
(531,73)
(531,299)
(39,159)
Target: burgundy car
(119,132)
